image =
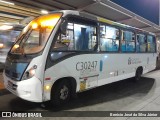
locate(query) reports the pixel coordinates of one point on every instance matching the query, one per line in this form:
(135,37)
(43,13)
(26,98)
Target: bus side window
(64,41)
(78,37)
(151,45)
(128,41)
(141,43)
(138,44)
(109,38)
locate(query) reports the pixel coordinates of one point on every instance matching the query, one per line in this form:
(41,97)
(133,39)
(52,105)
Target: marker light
(34,25)
(49,22)
(46,21)
(47,87)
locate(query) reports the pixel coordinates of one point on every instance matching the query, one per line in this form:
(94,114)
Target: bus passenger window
(109,38)
(137,44)
(128,41)
(141,43)
(151,43)
(78,37)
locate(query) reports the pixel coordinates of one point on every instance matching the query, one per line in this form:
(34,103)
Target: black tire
(138,74)
(61,93)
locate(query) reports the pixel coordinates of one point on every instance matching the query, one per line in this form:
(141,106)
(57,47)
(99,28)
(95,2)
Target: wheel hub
(64,93)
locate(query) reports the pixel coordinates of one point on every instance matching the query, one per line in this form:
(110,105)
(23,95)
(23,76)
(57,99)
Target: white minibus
(65,52)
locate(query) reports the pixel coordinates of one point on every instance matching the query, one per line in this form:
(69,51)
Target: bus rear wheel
(138,74)
(61,93)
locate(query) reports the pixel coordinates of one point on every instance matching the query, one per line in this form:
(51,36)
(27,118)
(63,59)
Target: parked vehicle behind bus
(65,52)
(8,35)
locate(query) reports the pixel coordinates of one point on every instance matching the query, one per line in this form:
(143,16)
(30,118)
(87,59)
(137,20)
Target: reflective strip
(47,78)
(101,66)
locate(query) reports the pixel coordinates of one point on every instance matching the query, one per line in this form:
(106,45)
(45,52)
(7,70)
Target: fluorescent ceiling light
(44,11)
(5,27)
(6,2)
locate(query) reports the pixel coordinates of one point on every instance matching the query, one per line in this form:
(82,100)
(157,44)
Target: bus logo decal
(134,61)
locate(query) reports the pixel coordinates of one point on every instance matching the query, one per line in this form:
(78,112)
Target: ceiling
(27,9)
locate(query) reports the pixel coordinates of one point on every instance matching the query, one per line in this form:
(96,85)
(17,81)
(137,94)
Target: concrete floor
(120,96)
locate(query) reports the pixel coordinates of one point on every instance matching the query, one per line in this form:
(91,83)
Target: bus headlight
(29,73)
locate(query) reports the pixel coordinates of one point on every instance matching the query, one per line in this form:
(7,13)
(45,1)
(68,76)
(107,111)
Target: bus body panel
(76,67)
(92,70)
(122,66)
(30,89)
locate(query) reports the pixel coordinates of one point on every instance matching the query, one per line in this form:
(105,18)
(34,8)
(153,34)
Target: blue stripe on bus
(101,66)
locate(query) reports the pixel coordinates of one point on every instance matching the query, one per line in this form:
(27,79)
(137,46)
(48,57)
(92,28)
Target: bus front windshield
(35,35)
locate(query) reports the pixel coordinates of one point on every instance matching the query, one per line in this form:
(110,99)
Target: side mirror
(63,26)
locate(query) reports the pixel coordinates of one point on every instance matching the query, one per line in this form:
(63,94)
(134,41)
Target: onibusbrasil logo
(23,114)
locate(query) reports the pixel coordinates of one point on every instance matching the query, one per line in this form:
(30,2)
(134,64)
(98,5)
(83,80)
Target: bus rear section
(60,54)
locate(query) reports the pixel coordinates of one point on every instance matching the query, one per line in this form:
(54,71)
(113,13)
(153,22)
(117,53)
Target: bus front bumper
(30,90)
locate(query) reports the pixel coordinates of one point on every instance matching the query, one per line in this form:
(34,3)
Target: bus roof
(100,19)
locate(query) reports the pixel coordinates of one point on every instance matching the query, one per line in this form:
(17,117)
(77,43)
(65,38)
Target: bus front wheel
(61,93)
